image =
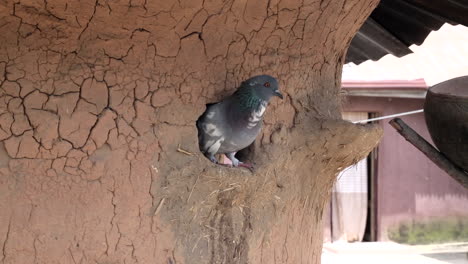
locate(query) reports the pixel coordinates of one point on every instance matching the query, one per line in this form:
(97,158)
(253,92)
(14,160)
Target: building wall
(410,188)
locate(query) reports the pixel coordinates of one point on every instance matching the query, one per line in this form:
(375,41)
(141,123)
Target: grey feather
(234,123)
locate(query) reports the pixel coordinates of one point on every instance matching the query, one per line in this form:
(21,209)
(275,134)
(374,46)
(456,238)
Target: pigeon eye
(267,84)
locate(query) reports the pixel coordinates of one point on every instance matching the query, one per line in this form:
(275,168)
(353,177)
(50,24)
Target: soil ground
(389,252)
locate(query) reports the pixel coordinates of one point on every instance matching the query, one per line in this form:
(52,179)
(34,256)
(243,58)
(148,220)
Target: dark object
(433,154)
(397,24)
(446,112)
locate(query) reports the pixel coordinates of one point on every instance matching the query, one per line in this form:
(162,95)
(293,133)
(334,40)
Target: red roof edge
(382,84)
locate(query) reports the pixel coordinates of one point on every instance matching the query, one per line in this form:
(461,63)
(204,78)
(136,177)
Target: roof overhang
(389,88)
(395,25)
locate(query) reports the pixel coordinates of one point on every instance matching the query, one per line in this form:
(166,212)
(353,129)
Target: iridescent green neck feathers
(247,98)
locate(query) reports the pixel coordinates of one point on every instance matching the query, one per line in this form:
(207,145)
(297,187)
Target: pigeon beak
(277,93)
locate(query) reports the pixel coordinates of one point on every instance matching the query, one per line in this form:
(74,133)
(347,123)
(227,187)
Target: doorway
(370,233)
(353,201)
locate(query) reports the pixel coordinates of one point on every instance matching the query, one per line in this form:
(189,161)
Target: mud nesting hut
(99,161)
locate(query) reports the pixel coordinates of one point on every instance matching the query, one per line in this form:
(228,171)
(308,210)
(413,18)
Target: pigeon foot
(234,160)
(212,158)
(246,165)
(237,163)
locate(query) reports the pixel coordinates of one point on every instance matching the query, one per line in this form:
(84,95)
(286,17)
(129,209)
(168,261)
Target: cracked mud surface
(97,96)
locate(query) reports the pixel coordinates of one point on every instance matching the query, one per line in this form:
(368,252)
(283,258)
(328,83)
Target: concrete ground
(390,253)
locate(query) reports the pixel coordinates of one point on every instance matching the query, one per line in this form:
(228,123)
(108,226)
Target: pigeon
(233,124)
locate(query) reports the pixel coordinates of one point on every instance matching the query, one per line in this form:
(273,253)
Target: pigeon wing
(210,129)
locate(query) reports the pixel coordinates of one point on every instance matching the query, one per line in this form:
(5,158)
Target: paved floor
(390,253)
(452,258)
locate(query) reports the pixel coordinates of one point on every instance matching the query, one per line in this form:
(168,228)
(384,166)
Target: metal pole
(389,116)
(432,153)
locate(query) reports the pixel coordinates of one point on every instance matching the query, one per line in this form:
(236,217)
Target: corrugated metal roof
(397,24)
(443,56)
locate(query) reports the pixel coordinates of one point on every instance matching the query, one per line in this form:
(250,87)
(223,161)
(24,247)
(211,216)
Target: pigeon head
(263,86)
